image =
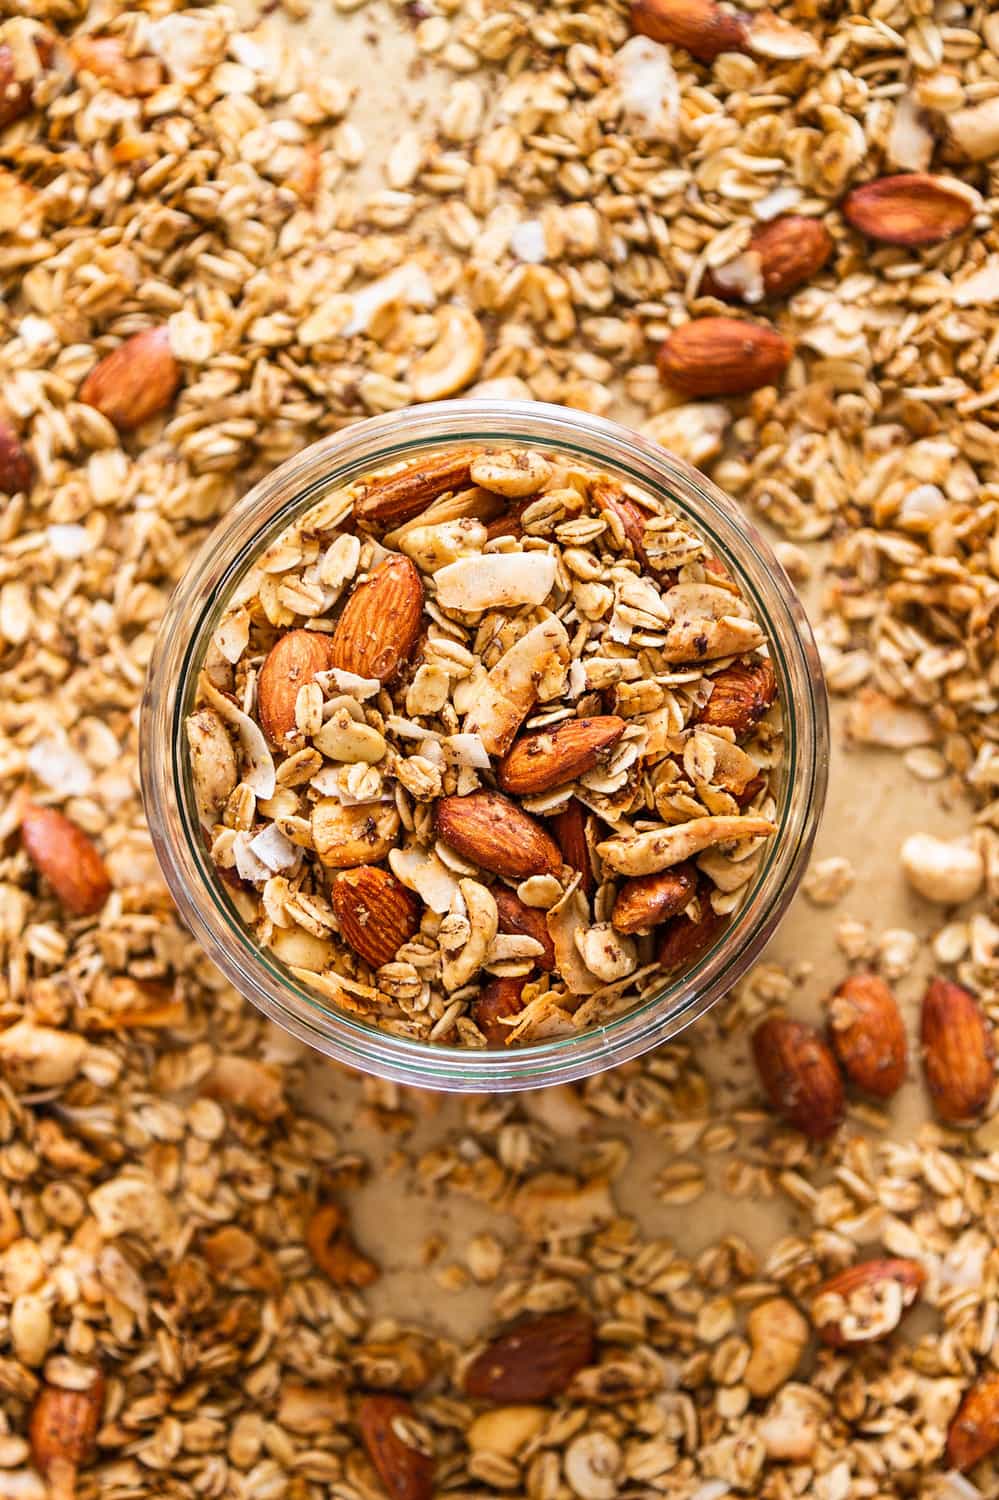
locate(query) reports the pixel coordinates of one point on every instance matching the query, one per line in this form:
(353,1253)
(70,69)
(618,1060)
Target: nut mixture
(425,666)
(189,1297)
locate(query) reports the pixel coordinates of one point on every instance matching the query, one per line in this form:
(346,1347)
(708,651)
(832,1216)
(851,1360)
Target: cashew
(483,921)
(454,359)
(498,580)
(947,873)
(563,922)
(360,835)
(433,547)
(342,737)
(515,473)
(647,853)
(605,952)
(789,1430)
(705,624)
(693,432)
(709,759)
(778,1334)
(40,1056)
(300,949)
(506,1429)
(507,693)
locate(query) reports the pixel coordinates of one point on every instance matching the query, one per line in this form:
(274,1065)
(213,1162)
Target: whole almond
(497,835)
(868,1034)
(865,1302)
(799,1076)
(958,1051)
(498,999)
(526,921)
(62,1432)
(701,26)
(650,899)
(376,913)
(685,938)
(17,472)
(334,1252)
(134,381)
(534,1360)
(107,59)
(380,622)
(291,663)
(723,357)
(912,209)
(974,1431)
(569,828)
(549,758)
(64,854)
(740,697)
(402,496)
(16,94)
(791,250)
(405,1471)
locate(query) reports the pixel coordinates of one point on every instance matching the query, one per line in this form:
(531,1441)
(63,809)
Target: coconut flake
(259,774)
(647,88)
(70,542)
(248,866)
(780,200)
(409,283)
(233,635)
(469,751)
(348,682)
(527,241)
(274,850)
(497,581)
(910,142)
(60,767)
(422,871)
(981,287)
(742,276)
(577,678)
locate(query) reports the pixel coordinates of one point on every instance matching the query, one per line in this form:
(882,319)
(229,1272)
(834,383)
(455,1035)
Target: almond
(380,622)
(974,1432)
(134,381)
(405,1471)
(333,1250)
(912,209)
(526,921)
(868,1034)
(799,1076)
(740,697)
(16,94)
(497,835)
(17,472)
(958,1052)
(686,938)
(538,762)
(497,999)
(401,496)
(294,661)
(723,357)
(865,1302)
(62,1431)
(609,498)
(375,911)
(701,26)
(534,1360)
(64,854)
(106,58)
(569,828)
(789,251)
(650,899)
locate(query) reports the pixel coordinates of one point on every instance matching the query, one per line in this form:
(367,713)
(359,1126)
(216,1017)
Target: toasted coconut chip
(500,580)
(260,775)
(543,1020)
(564,921)
(660,848)
(421,870)
(233,635)
(509,690)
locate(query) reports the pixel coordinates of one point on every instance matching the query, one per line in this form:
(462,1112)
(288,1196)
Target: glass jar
(192,616)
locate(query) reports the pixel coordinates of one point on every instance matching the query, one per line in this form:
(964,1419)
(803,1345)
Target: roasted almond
(526,921)
(497,835)
(958,1051)
(799,1076)
(17,472)
(783,254)
(685,938)
(534,1360)
(291,663)
(974,1432)
(64,854)
(866,1302)
(134,381)
(868,1034)
(406,1471)
(723,357)
(551,757)
(569,828)
(380,622)
(107,59)
(650,899)
(700,26)
(912,209)
(401,496)
(334,1252)
(610,499)
(375,911)
(15,93)
(498,999)
(740,697)
(62,1432)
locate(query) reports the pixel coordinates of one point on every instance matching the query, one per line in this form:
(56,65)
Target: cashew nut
(647,853)
(790,1428)
(342,737)
(705,624)
(778,1334)
(432,547)
(483,921)
(506,1429)
(453,360)
(947,873)
(515,473)
(605,952)
(213,764)
(360,835)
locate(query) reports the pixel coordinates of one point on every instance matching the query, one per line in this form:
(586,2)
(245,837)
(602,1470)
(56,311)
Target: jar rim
(204,592)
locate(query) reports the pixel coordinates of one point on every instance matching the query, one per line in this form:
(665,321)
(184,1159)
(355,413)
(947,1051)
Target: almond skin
(700,26)
(17,472)
(496,834)
(498,998)
(958,1051)
(534,1360)
(912,209)
(292,662)
(375,911)
(868,1035)
(974,1432)
(854,1285)
(791,250)
(134,381)
(538,762)
(380,622)
(569,828)
(650,899)
(723,357)
(406,1473)
(684,940)
(740,697)
(62,1432)
(64,854)
(16,97)
(402,496)
(334,1252)
(526,921)
(799,1076)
